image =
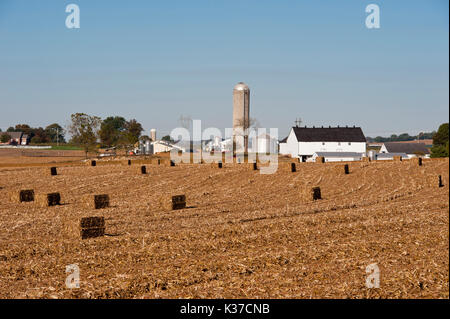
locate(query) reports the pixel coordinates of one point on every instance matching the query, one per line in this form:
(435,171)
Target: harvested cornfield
(242,234)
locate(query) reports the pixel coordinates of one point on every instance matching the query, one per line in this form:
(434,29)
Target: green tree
(441,142)
(167,138)
(111,130)
(10,129)
(55,133)
(84,130)
(5,138)
(133,131)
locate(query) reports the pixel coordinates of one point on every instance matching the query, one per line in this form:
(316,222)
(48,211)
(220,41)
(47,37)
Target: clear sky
(158,60)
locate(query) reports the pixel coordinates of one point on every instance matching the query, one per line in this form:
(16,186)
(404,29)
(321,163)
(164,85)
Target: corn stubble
(243,235)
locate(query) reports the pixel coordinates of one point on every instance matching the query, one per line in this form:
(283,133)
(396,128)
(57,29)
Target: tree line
(401,138)
(86,131)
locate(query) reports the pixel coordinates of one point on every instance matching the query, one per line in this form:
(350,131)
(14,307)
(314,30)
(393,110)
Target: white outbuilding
(338,156)
(303,142)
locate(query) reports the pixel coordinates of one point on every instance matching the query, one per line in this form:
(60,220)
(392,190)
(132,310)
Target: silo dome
(241,86)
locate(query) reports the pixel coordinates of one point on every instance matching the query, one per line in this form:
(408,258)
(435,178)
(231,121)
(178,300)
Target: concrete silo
(153,134)
(241,116)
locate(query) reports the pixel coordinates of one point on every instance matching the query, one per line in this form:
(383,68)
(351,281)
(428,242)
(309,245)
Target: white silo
(153,134)
(241,116)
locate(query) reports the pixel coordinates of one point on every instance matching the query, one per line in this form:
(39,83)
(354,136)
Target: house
(411,149)
(337,156)
(303,142)
(17,138)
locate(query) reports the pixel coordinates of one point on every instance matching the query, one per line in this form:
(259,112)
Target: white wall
(309,148)
(338,159)
(284,149)
(292,145)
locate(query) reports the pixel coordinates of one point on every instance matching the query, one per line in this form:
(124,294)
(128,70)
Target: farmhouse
(17,138)
(303,142)
(411,149)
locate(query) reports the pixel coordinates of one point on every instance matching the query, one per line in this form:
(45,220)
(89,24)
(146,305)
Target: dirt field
(243,235)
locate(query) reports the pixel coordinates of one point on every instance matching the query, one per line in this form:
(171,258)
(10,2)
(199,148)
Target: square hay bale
(365,159)
(93,163)
(156,161)
(53,171)
(96,201)
(169,202)
(143,170)
(311,194)
(417,161)
(48,200)
(397,158)
(25,195)
(320,159)
(91,227)
(293,168)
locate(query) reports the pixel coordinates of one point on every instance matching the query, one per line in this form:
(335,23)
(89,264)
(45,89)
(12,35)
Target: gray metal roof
(408,148)
(339,154)
(390,155)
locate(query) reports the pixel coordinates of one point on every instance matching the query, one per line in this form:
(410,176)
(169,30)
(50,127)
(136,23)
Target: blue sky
(158,60)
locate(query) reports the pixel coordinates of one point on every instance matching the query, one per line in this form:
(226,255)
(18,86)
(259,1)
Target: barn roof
(329,134)
(408,148)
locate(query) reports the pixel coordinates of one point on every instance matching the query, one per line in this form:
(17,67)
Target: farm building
(411,149)
(17,138)
(264,144)
(303,142)
(338,156)
(390,156)
(163,146)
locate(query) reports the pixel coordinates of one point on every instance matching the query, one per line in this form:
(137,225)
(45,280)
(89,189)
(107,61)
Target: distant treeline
(401,138)
(53,133)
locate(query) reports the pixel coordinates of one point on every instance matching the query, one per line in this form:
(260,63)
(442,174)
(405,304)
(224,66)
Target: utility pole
(57,136)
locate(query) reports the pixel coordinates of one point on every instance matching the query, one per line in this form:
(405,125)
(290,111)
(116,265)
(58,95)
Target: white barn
(303,142)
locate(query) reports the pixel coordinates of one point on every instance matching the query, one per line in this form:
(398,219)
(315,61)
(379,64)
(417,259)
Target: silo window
(323,143)
(349,143)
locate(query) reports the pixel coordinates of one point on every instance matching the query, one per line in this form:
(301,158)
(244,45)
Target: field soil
(242,234)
